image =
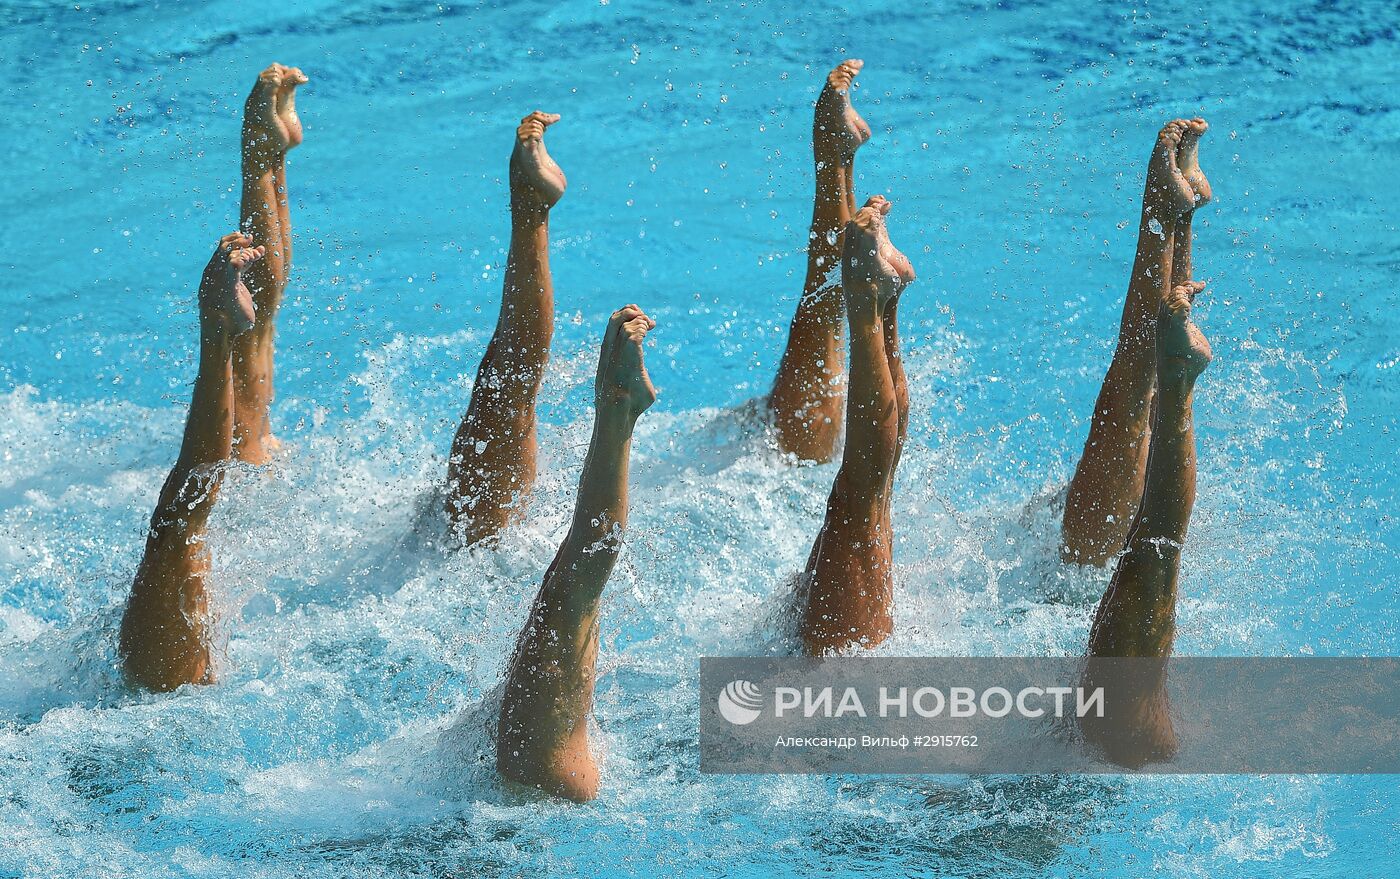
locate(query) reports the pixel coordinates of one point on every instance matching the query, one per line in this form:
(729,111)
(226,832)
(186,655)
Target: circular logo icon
(740,703)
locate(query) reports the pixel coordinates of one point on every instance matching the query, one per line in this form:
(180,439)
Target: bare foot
(535,179)
(225,304)
(623,384)
(287,104)
(1182,350)
(869,254)
(1168,194)
(837,129)
(1190,164)
(270,122)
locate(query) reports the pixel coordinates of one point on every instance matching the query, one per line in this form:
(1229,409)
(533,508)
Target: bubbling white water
(360,651)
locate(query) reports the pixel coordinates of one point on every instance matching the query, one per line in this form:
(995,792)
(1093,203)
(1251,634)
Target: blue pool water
(360,657)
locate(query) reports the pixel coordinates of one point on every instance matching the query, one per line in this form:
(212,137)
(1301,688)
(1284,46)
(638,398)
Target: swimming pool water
(345,737)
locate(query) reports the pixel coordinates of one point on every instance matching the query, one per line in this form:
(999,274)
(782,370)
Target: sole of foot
(838,130)
(1182,349)
(1188,160)
(224,299)
(270,122)
(1168,193)
(870,255)
(534,176)
(622,383)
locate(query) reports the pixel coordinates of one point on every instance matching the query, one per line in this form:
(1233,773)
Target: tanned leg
(807,395)
(542,736)
(163,639)
(1107,484)
(847,596)
(492,465)
(1188,160)
(1137,615)
(895,361)
(271,127)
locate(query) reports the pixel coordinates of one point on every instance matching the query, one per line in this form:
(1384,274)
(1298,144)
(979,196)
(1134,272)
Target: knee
(160,651)
(567,771)
(513,365)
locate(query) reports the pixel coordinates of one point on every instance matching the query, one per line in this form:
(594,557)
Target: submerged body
(1137,614)
(491,469)
(542,733)
(1160,355)
(809,390)
(846,594)
(164,640)
(1107,485)
(271,127)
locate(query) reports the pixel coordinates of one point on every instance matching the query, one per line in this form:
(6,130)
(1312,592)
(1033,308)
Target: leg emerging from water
(1107,484)
(807,395)
(895,361)
(1137,615)
(846,596)
(492,464)
(163,638)
(542,736)
(271,127)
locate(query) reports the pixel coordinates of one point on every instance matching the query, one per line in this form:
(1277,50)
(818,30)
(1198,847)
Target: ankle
(215,338)
(615,417)
(259,160)
(863,305)
(528,211)
(1176,379)
(831,158)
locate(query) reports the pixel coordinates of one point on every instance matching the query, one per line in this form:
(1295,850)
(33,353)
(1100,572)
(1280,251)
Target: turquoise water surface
(360,656)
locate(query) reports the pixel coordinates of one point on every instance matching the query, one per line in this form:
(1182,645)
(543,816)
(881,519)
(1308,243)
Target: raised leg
(492,465)
(894,360)
(542,736)
(1107,484)
(1189,162)
(1137,615)
(847,595)
(808,392)
(163,640)
(271,127)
